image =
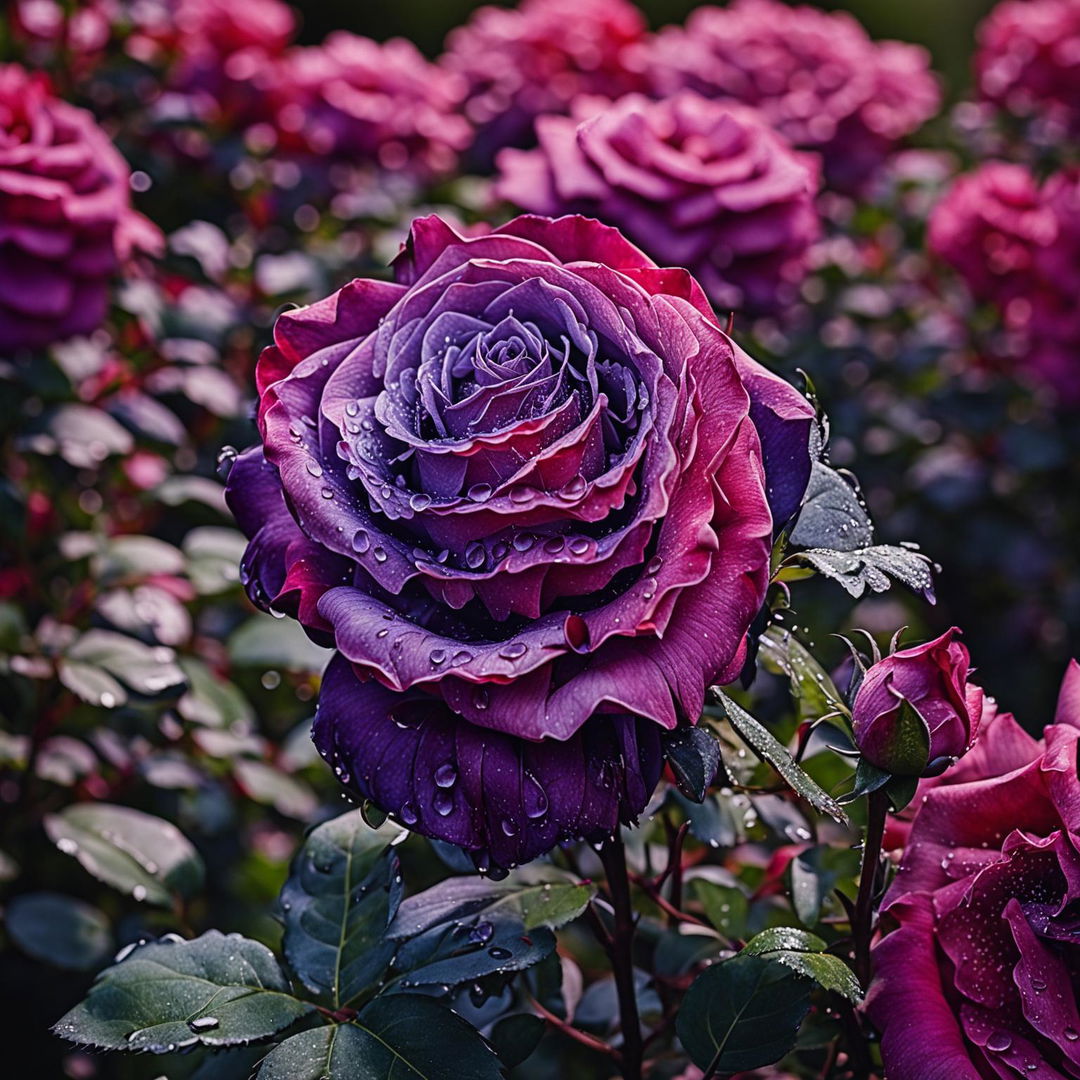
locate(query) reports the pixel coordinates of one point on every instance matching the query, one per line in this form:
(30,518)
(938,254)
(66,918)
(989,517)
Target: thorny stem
(862,928)
(613,856)
(574,1033)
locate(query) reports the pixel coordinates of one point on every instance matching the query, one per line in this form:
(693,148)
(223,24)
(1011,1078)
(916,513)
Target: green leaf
(137,853)
(263,641)
(535,896)
(694,756)
(868,778)
(812,687)
(908,751)
(342,892)
(218,990)
(815,873)
(407,1037)
(267,784)
(805,954)
(59,930)
(770,749)
(742,1014)
(213,555)
(210,700)
(871,568)
(123,557)
(516,1037)
(726,906)
(147,670)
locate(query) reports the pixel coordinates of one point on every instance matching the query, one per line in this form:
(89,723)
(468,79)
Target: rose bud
(915,712)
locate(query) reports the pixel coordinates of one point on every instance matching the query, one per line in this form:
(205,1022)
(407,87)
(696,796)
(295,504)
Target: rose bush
(817,77)
(528,491)
(696,183)
(66,220)
(978,977)
(933,680)
(536,58)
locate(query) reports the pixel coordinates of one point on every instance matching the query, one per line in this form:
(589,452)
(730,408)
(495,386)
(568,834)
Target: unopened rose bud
(915,712)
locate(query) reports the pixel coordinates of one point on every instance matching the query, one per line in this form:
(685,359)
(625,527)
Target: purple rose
(815,76)
(537,58)
(977,971)
(696,183)
(929,682)
(1028,60)
(363,101)
(528,491)
(66,222)
(1017,246)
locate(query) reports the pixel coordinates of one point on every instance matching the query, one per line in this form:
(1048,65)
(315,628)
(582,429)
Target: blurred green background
(946,27)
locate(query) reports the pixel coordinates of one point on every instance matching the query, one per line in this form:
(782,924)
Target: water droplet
(408,813)
(461,658)
(524,541)
(420,502)
(481,697)
(1071,1034)
(534,797)
(480,492)
(497,952)
(573,489)
(380,555)
(520,494)
(204,1023)
(579,545)
(352,409)
(443,803)
(314,468)
(361,541)
(481,932)
(554,545)
(382,633)
(475,556)
(437,656)
(509,827)
(514,650)
(139,892)
(654,565)
(999,1042)
(445,775)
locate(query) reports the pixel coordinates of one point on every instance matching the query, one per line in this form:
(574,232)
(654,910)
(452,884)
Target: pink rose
(976,973)
(697,183)
(66,221)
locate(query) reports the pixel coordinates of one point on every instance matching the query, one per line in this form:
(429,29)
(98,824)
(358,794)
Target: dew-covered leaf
(832,514)
(804,953)
(813,689)
(137,853)
(871,568)
(770,749)
(213,555)
(534,896)
(149,671)
(59,930)
(218,990)
(342,892)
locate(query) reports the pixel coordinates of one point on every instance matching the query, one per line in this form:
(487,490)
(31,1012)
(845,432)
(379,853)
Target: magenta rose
(1017,246)
(362,101)
(927,681)
(66,221)
(536,58)
(1028,60)
(815,76)
(977,970)
(528,491)
(695,182)
(989,226)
